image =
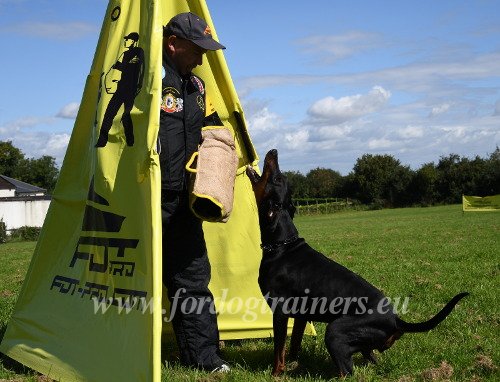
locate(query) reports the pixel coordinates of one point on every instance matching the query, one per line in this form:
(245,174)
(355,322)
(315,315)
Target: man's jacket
(182,115)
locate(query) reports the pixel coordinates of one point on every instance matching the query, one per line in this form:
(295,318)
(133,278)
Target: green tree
(10,157)
(491,182)
(298,184)
(323,182)
(41,172)
(475,173)
(423,185)
(382,180)
(458,176)
(453,178)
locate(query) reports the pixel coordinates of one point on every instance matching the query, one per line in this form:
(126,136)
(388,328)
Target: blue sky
(324,81)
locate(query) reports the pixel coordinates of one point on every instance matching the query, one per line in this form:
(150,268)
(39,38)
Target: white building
(22,204)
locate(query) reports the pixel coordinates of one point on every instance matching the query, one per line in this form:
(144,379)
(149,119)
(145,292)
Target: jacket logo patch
(170,102)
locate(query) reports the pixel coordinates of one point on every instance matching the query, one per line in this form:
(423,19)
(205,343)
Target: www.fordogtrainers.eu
(250,308)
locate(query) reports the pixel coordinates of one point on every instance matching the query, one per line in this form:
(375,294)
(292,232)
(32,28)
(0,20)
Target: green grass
(426,254)
(14,261)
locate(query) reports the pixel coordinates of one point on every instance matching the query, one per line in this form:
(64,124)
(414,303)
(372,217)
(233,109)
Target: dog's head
(271,189)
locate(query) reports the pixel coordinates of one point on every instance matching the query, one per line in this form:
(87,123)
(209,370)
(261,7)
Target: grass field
(426,254)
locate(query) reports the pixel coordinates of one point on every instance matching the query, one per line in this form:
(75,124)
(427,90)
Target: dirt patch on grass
(6,293)
(485,363)
(39,378)
(43,378)
(215,377)
(441,373)
(406,378)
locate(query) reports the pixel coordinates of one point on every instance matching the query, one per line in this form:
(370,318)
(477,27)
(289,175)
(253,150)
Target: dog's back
(322,288)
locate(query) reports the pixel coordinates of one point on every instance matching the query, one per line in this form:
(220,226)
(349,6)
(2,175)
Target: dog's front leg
(370,356)
(299,326)
(280,323)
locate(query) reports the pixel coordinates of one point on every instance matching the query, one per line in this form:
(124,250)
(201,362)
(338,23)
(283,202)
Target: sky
(324,81)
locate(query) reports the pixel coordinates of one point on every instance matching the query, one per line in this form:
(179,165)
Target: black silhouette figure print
(124,81)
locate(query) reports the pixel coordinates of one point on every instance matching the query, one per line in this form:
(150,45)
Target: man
(130,65)
(186,269)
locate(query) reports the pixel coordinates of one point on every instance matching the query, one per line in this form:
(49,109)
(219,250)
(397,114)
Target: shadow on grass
(256,357)
(13,366)
(311,363)
(8,363)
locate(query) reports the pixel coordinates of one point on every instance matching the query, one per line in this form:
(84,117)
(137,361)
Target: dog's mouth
(271,161)
(270,166)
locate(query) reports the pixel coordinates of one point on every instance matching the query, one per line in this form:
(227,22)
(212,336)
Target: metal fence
(322,205)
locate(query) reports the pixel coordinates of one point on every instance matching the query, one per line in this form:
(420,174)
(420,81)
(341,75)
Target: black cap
(193,28)
(132,36)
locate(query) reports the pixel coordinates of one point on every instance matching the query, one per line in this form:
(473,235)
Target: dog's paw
(252,174)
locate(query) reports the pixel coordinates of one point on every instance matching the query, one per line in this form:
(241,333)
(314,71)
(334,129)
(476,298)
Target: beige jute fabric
(213,178)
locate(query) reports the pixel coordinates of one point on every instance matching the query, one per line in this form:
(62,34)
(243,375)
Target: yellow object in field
(477,203)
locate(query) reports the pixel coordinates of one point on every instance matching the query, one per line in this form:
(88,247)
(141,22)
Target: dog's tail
(407,327)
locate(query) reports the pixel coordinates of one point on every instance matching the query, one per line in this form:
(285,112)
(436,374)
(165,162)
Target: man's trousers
(186,274)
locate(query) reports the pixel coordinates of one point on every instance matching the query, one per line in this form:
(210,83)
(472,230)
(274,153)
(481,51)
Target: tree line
(382,181)
(378,180)
(41,172)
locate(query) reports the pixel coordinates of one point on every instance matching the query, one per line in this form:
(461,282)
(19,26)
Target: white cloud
(23,123)
(410,132)
(69,111)
(297,140)
(444,78)
(35,144)
(330,48)
(307,144)
(333,132)
(440,109)
(350,107)
(380,144)
(455,132)
(264,126)
(262,121)
(33,136)
(439,78)
(57,143)
(248,84)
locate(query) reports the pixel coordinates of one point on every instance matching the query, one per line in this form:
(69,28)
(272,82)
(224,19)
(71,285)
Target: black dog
(301,283)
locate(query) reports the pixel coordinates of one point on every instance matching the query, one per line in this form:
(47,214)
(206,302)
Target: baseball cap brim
(208,44)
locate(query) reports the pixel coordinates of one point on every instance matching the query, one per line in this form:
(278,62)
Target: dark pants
(121,97)
(186,274)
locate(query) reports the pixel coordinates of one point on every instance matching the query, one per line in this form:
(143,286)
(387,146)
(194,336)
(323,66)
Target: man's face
(128,42)
(186,55)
